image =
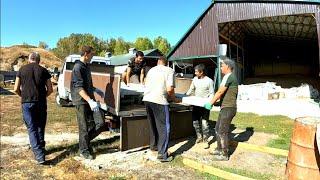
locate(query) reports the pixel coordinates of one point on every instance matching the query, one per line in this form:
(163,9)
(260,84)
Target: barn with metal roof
(264,37)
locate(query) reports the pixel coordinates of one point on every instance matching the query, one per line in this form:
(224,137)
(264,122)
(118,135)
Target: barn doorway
(283,49)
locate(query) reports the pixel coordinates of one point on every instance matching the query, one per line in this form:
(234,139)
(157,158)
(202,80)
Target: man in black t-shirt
(33,85)
(136,68)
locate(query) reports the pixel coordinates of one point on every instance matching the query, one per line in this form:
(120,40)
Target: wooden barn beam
(231,42)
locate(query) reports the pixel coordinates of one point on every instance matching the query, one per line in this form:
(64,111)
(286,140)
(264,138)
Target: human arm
(218,94)
(191,89)
(216,97)
(170,87)
(49,87)
(17,86)
(129,69)
(142,76)
(79,87)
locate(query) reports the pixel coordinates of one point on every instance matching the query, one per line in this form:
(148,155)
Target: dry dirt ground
(61,137)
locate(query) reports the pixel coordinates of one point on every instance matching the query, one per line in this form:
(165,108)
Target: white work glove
(93,105)
(99,92)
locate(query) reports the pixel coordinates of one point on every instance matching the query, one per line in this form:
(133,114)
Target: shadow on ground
(4,91)
(70,150)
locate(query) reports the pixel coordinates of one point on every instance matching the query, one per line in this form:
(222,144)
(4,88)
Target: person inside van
(135,70)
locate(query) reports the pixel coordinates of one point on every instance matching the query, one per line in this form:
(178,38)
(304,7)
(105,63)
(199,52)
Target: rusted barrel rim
(302,145)
(303,166)
(313,121)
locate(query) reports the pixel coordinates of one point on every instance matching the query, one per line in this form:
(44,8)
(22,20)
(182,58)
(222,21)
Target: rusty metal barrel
(304,159)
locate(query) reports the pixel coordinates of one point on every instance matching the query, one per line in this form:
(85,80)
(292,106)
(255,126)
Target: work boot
(216,152)
(221,157)
(205,130)
(86,155)
(164,158)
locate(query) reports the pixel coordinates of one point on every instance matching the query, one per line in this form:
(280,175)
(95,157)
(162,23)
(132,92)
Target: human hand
(208,106)
(177,100)
(99,92)
(93,105)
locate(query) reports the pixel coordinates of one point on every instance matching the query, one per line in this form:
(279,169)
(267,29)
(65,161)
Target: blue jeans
(35,117)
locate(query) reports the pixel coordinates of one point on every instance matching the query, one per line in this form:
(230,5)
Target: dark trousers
(35,118)
(158,117)
(222,128)
(86,125)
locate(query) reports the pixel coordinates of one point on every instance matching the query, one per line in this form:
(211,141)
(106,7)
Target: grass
(279,125)
(177,161)
(247,173)
(59,119)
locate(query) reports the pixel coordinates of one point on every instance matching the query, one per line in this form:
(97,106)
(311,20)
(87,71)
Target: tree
(143,43)
(43,45)
(162,44)
(111,45)
(121,47)
(73,43)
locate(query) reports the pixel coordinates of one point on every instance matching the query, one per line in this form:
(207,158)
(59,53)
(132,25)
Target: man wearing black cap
(227,94)
(33,85)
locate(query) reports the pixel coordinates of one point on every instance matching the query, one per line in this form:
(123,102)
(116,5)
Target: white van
(63,96)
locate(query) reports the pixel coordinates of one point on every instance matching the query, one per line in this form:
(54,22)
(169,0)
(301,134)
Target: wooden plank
(214,171)
(263,149)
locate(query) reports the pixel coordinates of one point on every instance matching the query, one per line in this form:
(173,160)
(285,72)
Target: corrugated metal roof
(265,1)
(174,48)
(228,12)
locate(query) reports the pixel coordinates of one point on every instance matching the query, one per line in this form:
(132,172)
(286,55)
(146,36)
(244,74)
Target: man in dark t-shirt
(135,71)
(82,93)
(227,94)
(33,85)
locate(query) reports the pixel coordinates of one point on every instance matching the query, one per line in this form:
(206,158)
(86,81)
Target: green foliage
(162,44)
(143,43)
(121,47)
(111,45)
(43,45)
(73,43)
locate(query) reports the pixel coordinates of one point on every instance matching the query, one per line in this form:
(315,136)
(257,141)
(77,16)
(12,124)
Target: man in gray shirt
(201,86)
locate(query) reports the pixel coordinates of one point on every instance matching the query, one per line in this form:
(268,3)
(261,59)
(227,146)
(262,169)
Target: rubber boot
(196,126)
(205,130)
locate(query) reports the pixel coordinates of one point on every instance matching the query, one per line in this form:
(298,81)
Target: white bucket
(222,50)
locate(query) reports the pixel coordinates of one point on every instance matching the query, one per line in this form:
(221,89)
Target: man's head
(34,57)
(199,70)
(87,53)
(227,65)
(162,60)
(139,57)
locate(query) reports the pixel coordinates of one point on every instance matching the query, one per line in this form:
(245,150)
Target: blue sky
(32,21)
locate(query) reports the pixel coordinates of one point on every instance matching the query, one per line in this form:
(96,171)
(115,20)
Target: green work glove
(208,106)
